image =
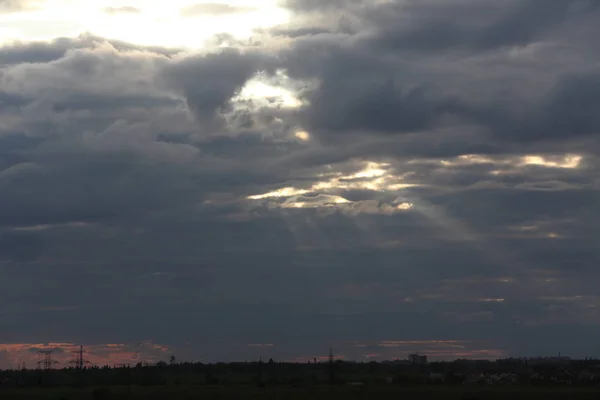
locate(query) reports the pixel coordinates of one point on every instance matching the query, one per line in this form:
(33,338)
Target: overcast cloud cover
(376,176)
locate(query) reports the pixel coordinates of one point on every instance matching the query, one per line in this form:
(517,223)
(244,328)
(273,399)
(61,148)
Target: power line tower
(46,363)
(79,362)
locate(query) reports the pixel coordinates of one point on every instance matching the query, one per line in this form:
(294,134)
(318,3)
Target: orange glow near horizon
(14,355)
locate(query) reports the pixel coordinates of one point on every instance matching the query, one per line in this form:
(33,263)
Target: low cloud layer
(383,177)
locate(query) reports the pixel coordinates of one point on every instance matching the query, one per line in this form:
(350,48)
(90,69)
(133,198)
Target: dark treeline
(584,372)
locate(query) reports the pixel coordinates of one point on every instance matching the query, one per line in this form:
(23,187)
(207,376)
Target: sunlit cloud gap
(302,135)
(267,94)
(324,193)
(566,161)
(371,177)
(459,230)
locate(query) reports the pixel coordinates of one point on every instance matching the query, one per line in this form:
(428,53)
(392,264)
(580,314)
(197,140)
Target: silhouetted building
(416,359)
(548,360)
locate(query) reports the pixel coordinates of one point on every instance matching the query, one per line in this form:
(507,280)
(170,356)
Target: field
(310,393)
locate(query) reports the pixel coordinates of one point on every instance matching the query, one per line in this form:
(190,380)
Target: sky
(229,180)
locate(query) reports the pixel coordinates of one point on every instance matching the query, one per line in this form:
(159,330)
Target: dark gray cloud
(298,32)
(439,181)
(375,81)
(209,82)
(20,247)
(43,52)
(479,26)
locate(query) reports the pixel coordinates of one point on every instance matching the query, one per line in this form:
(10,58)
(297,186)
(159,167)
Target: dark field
(310,393)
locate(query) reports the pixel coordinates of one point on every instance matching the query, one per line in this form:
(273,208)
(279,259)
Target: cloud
(213,9)
(368,168)
(470,25)
(43,52)
(209,82)
(121,10)
(20,247)
(361,90)
(314,5)
(9,6)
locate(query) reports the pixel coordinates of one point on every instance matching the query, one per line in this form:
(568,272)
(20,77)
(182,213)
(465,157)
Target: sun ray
(455,229)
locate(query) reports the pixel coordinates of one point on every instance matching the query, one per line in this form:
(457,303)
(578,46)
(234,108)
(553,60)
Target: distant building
(413,358)
(416,359)
(548,360)
(396,362)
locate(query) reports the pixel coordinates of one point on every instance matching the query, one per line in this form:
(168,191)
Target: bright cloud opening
(569,161)
(372,176)
(303,136)
(565,161)
(285,192)
(267,94)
